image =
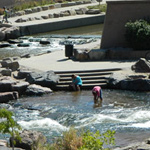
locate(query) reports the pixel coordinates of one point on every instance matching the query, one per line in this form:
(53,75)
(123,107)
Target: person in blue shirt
(76,82)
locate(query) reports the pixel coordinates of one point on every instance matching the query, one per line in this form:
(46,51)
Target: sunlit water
(126,112)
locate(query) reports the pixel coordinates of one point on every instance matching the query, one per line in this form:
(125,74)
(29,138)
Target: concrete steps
(90,78)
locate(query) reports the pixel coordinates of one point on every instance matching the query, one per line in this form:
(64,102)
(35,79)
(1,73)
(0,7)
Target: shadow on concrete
(65,59)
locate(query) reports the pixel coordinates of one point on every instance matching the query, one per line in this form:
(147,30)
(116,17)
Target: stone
(81,54)
(51,6)
(35,9)
(14,41)
(97,54)
(6,84)
(13,65)
(142,65)
(79,11)
(23,45)
(31,18)
(23,73)
(7,96)
(44,41)
(29,140)
(5,45)
(72,12)
(20,87)
(28,11)
(93,11)
(50,15)
(56,15)
(37,90)
(57,5)
(2,36)
(45,17)
(25,56)
(46,79)
(45,8)
(5,72)
(20,13)
(39,9)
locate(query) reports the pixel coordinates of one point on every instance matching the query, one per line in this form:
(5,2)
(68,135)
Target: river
(126,112)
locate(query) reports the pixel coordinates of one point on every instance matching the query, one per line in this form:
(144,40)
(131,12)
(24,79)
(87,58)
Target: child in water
(97,93)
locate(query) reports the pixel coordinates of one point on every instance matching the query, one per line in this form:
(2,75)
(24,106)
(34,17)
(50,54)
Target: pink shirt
(97,90)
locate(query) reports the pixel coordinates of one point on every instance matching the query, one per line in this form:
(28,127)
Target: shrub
(101,7)
(84,141)
(9,125)
(138,34)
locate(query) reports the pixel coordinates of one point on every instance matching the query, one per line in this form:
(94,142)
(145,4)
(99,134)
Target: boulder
(30,140)
(2,36)
(23,45)
(56,15)
(81,54)
(28,11)
(25,56)
(5,45)
(5,72)
(72,12)
(142,65)
(46,79)
(20,13)
(50,15)
(97,54)
(45,8)
(6,84)
(93,11)
(7,96)
(44,41)
(23,73)
(129,82)
(45,17)
(10,64)
(31,18)
(38,90)
(20,87)
(51,6)
(39,9)
(14,41)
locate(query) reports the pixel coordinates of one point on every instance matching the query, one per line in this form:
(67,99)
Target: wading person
(76,83)
(97,93)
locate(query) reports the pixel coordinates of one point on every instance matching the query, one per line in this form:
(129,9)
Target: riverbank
(57,18)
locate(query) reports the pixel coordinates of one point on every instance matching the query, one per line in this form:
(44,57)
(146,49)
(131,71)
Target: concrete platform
(57,61)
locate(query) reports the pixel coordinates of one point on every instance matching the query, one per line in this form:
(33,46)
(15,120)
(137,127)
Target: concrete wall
(59,25)
(118,13)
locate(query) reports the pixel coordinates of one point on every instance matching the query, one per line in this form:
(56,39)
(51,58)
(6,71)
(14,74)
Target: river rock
(142,65)
(81,54)
(3,45)
(97,54)
(7,96)
(93,11)
(44,41)
(72,12)
(23,73)
(45,17)
(46,79)
(20,87)
(129,82)
(5,71)
(56,15)
(45,8)
(10,64)
(38,90)
(23,45)
(6,84)
(30,140)
(14,41)
(28,11)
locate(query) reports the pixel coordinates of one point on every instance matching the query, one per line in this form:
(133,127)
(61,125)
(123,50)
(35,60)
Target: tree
(9,125)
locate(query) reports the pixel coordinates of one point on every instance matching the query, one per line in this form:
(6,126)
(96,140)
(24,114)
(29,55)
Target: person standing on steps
(97,93)
(76,83)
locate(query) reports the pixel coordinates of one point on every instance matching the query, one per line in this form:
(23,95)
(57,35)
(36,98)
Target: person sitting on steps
(76,83)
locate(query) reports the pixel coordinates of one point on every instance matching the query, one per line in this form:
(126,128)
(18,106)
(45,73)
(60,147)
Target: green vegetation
(8,125)
(138,34)
(85,141)
(31,4)
(102,7)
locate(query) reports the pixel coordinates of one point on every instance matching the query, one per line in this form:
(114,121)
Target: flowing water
(126,112)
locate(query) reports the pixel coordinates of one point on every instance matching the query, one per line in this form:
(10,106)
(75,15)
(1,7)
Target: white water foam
(45,123)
